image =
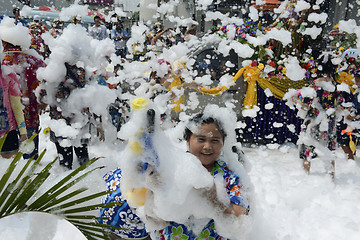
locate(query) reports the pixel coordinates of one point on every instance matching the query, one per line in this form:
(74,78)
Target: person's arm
(157,36)
(191,85)
(352,117)
(175,90)
(166,82)
(235,209)
(17,108)
(91,32)
(104,33)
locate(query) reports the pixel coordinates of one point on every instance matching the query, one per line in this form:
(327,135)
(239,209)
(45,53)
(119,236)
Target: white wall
(8,5)
(129,5)
(147,14)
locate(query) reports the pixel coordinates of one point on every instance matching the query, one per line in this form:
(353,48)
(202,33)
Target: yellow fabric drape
(277,86)
(177,66)
(345,77)
(175,83)
(251,75)
(220,89)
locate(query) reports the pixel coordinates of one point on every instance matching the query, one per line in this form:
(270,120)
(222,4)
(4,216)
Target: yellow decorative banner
(251,75)
(277,86)
(175,83)
(345,77)
(220,89)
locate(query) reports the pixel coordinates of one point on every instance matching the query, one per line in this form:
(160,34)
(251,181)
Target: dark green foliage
(23,194)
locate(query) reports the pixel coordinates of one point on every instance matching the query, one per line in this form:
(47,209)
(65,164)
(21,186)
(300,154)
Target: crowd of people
(26,60)
(157,36)
(330,109)
(29,91)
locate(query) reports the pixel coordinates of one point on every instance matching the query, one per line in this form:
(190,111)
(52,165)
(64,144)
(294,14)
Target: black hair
(328,68)
(97,17)
(16,10)
(199,119)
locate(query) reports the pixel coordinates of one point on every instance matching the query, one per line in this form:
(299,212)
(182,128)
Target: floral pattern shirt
(120,216)
(176,231)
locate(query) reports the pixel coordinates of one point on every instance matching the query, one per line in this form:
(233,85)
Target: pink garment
(27,72)
(11,86)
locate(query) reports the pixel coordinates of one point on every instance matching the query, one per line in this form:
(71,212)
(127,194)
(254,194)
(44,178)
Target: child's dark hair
(199,119)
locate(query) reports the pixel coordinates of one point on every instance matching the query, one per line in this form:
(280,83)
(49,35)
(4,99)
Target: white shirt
(98,33)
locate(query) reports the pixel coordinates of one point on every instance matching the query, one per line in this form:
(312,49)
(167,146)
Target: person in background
(160,40)
(168,82)
(18,19)
(74,79)
(36,30)
(76,19)
(180,37)
(57,28)
(349,136)
(191,32)
(26,66)
(98,31)
(11,114)
(109,22)
(119,35)
(320,123)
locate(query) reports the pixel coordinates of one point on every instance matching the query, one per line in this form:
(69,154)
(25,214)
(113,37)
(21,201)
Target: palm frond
(2,140)
(20,183)
(78,201)
(23,194)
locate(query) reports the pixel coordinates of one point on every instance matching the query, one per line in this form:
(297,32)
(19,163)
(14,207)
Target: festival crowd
(330,109)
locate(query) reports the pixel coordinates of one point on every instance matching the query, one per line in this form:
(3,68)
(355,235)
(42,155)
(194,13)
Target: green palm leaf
(20,183)
(23,194)
(49,200)
(78,201)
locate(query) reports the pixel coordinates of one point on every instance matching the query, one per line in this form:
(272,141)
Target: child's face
(206,144)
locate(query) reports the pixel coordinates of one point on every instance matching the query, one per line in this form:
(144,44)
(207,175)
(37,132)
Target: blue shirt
(120,216)
(119,44)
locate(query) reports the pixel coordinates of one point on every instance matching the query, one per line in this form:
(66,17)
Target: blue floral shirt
(120,216)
